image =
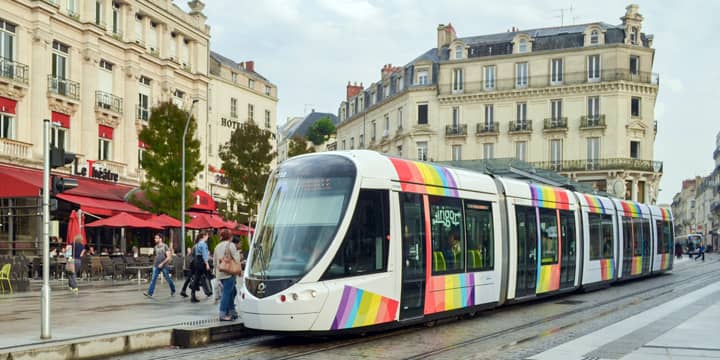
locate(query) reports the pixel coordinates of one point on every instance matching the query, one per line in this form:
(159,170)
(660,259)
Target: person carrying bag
(227,267)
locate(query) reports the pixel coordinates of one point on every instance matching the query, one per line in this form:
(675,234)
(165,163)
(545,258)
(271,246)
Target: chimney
(352,90)
(250,66)
(445,35)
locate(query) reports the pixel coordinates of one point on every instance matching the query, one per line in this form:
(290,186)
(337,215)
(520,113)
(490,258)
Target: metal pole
(182,182)
(45,292)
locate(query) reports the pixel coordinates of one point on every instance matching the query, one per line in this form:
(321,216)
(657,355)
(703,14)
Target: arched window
(594,37)
(523,47)
(458,52)
(634,35)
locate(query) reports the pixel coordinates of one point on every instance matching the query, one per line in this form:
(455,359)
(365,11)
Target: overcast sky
(311,48)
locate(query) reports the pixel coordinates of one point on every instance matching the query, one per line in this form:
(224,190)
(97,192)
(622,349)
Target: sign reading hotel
(232,124)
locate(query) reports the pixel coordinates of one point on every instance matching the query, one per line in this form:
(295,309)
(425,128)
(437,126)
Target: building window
(400,118)
(7,126)
(489,73)
(72,8)
(116,19)
(104,64)
(422,77)
(143,109)
(556,151)
(422,150)
(251,112)
(635,106)
(593,67)
(556,110)
(139,33)
(251,83)
(456,118)
(556,71)
(521,75)
(521,115)
(386,130)
(422,114)
(352,143)
(634,35)
(373,131)
(458,52)
(458,80)
(233,107)
(99,13)
(488,151)
(521,150)
(233,77)
(594,37)
(523,46)
(593,109)
(267,90)
(59,61)
(489,116)
(267,119)
(593,152)
(178,98)
(361,145)
(399,150)
(634,65)
(457,152)
(343,145)
(634,149)
(104,149)
(58,137)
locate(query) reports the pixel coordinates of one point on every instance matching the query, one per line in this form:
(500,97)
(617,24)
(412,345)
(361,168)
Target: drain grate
(569,302)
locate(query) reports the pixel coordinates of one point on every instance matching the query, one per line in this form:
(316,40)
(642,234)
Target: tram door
(526,221)
(628,245)
(569,247)
(412,297)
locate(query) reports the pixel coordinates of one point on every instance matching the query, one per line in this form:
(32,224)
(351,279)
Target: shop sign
(96,172)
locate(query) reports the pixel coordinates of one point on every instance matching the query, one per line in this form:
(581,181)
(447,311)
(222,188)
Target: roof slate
(232,64)
(302,127)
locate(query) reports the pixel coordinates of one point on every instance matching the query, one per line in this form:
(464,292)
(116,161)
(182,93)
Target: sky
(310,49)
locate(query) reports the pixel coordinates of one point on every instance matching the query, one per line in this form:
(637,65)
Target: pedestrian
(701,252)
(162,257)
(201,267)
(73,253)
(227,266)
(188,269)
(678,250)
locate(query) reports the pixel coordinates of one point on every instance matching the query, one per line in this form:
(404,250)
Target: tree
(320,130)
(298,146)
(162,160)
(246,161)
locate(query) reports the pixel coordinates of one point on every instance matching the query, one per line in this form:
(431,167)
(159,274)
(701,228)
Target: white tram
(357,240)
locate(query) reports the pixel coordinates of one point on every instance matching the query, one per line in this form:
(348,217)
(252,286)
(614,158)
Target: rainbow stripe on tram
(631,208)
(594,204)
(449,292)
(425,178)
(549,197)
(548,278)
(665,214)
(362,308)
(636,265)
(665,261)
(607,269)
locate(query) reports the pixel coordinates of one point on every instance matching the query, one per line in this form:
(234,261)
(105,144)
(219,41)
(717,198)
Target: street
(513,332)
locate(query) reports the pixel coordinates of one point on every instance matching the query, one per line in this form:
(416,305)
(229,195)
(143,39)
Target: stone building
(575,99)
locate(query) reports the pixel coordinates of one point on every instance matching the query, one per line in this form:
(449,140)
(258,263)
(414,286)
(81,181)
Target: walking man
(162,257)
(701,252)
(201,266)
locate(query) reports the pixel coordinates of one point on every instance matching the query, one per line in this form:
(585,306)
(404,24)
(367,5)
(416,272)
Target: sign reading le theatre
(95,172)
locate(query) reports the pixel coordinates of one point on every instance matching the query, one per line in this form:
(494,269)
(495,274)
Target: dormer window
(458,52)
(523,46)
(634,35)
(594,37)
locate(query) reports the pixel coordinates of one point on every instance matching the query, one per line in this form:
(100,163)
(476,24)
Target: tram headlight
(313,293)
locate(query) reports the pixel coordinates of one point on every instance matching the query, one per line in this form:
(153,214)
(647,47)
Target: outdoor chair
(36,268)
(108,267)
(5,276)
(84,267)
(129,262)
(119,265)
(96,269)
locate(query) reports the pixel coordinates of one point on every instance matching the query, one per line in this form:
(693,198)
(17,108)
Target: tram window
(647,236)
(548,236)
(627,236)
(567,235)
(365,247)
(601,236)
(526,233)
(413,225)
(479,229)
(448,245)
(667,234)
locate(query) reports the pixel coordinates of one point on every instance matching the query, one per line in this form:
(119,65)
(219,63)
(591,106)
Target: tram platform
(687,327)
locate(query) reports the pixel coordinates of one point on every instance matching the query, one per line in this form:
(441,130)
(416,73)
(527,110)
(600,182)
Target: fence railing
(64,87)
(591,122)
(456,130)
(108,101)
(14,70)
(520,126)
(601,164)
(556,123)
(486,128)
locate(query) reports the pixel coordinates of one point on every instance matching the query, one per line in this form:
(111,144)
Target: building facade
(299,126)
(576,99)
(237,94)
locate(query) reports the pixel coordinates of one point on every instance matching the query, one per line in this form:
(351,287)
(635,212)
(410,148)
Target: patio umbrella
(74,228)
(125,220)
(205,221)
(166,221)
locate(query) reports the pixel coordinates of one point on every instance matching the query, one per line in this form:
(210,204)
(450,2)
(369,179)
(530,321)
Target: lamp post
(182,181)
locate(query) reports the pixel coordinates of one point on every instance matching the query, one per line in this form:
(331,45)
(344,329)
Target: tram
(358,241)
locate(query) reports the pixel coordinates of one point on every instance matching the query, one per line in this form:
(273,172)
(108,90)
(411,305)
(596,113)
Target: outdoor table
(139,269)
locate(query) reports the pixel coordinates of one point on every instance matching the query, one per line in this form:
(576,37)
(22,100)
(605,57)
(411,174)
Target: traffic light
(60,185)
(60,158)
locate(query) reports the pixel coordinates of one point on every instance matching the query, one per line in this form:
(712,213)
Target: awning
(19,182)
(102,207)
(205,221)
(203,201)
(166,221)
(124,220)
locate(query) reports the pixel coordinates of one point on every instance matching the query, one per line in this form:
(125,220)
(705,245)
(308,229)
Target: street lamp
(182,181)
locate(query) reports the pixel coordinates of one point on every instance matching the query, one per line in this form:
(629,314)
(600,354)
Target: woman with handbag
(227,267)
(73,253)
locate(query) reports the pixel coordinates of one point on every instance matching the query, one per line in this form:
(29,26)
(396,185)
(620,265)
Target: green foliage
(298,146)
(189,243)
(320,130)
(246,161)
(213,241)
(245,243)
(162,161)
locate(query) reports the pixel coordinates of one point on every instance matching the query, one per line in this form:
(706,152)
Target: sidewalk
(97,311)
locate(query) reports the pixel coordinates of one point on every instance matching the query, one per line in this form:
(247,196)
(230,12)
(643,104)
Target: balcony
(456,130)
(142,113)
(106,101)
(14,71)
(520,127)
(483,129)
(555,124)
(64,87)
(15,149)
(601,164)
(592,122)
(113,167)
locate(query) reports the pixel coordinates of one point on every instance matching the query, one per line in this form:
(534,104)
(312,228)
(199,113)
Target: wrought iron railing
(592,122)
(601,164)
(108,101)
(64,87)
(556,123)
(486,128)
(13,70)
(520,126)
(456,130)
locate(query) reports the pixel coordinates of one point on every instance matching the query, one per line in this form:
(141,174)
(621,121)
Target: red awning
(203,201)
(102,207)
(105,132)
(7,105)
(166,221)
(124,220)
(62,119)
(18,182)
(205,221)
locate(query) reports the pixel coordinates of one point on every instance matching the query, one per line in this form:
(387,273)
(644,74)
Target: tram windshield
(304,203)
